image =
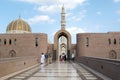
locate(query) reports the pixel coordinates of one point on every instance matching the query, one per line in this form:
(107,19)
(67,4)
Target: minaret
(63,21)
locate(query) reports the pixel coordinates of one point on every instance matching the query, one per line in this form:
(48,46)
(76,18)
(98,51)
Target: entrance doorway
(62,44)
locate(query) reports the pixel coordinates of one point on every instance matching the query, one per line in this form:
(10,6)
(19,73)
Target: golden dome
(18,26)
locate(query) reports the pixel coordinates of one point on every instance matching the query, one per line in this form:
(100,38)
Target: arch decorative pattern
(63,45)
(12,53)
(112,54)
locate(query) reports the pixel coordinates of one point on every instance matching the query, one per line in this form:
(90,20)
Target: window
(109,41)
(87,42)
(36,42)
(10,42)
(4,41)
(114,41)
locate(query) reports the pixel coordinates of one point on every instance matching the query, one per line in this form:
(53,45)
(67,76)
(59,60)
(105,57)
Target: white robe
(42,58)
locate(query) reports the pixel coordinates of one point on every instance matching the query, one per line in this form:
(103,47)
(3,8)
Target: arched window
(36,42)
(114,41)
(12,53)
(112,54)
(87,41)
(109,41)
(4,41)
(10,41)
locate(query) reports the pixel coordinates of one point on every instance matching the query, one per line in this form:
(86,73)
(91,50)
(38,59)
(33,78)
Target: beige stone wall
(25,44)
(73,48)
(98,44)
(60,33)
(10,65)
(51,48)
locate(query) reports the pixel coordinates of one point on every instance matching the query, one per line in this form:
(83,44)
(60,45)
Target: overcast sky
(44,16)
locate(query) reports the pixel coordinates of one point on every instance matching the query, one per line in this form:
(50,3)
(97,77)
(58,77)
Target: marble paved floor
(55,71)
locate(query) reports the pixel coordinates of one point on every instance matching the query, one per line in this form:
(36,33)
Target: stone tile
(56,74)
(59,70)
(24,75)
(91,78)
(88,75)
(55,71)
(15,79)
(85,73)
(19,77)
(52,78)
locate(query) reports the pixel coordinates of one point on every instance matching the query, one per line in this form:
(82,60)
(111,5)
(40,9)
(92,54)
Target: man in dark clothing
(46,57)
(64,57)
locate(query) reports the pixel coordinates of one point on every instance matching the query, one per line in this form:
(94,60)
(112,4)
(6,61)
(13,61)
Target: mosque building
(20,47)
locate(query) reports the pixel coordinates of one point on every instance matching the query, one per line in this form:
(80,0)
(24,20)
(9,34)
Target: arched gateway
(65,45)
(59,34)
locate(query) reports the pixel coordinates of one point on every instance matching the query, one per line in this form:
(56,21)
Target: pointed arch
(12,53)
(112,54)
(60,33)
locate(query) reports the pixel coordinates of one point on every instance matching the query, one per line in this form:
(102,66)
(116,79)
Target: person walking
(42,58)
(50,58)
(65,57)
(60,58)
(46,58)
(73,56)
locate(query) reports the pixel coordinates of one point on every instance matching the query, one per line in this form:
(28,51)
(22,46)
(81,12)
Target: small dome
(18,26)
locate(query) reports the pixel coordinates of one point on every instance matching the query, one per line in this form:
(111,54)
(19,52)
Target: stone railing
(10,65)
(108,67)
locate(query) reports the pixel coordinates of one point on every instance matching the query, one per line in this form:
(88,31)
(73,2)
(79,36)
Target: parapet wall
(104,45)
(108,67)
(21,45)
(10,65)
